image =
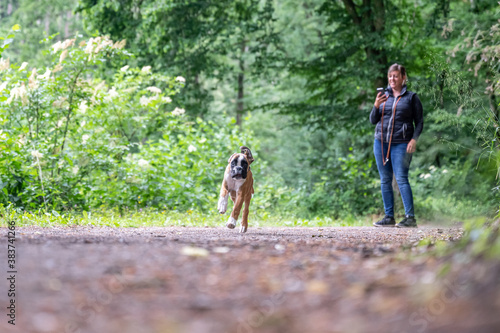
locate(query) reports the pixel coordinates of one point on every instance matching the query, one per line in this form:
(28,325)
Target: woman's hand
(381,98)
(412,146)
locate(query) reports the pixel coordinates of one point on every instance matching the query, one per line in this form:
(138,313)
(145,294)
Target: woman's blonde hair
(399,68)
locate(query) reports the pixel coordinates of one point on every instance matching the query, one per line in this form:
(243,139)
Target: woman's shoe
(387,221)
(408,222)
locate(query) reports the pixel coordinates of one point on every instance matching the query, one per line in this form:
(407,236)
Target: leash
(384,161)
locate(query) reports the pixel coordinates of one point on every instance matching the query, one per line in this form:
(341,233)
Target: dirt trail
(351,279)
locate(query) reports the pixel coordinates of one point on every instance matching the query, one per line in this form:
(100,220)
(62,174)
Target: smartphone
(380,90)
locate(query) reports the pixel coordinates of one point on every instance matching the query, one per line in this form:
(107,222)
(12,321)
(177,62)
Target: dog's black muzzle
(238,172)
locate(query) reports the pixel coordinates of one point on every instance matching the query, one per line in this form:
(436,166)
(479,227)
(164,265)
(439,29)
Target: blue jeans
(399,164)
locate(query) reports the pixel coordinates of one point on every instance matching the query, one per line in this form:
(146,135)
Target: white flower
(36,154)
(445,171)
(58,68)
(432,168)
(146,69)
(3,86)
(59,103)
(85,137)
(154,90)
(32,83)
(22,140)
(180,79)
(63,45)
(101,43)
(4,64)
(144,101)
(68,42)
(427,175)
(142,163)
(57,46)
(202,140)
(99,87)
(23,66)
(75,169)
(82,108)
(112,93)
(18,92)
(124,68)
(90,46)
(83,123)
(46,75)
(166,99)
(60,122)
(63,55)
(178,111)
(191,148)
(120,45)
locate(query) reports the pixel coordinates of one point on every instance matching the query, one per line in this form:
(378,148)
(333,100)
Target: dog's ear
(246,151)
(229,160)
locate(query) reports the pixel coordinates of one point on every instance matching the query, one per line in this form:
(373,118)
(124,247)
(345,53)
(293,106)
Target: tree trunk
(241,77)
(372,20)
(66,24)
(47,24)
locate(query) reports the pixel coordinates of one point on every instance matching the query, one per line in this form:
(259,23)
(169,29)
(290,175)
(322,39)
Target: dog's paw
(222,206)
(243,229)
(231,223)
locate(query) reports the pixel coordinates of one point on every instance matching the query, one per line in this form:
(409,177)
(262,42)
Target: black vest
(403,118)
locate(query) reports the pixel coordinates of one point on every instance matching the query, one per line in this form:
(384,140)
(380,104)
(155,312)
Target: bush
(71,140)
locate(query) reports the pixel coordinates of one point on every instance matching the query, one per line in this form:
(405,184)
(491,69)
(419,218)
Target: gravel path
(350,279)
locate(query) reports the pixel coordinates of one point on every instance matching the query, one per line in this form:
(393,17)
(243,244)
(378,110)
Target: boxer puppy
(237,182)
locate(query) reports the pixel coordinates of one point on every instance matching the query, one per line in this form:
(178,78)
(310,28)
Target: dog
(237,182)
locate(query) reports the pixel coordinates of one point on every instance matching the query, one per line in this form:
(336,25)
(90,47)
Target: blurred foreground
(175,279)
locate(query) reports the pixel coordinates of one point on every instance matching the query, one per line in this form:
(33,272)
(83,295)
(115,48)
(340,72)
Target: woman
(399,118)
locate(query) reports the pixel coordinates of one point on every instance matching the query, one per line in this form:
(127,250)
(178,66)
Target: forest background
(141,103)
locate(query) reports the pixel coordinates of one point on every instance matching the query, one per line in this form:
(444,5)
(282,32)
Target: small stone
(194,251)
(221,249)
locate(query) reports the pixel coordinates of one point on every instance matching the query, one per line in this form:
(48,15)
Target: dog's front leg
(231,223)
(224,194)
(244,218)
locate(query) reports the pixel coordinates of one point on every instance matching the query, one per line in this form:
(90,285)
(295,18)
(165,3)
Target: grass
(433,211)
(156,218)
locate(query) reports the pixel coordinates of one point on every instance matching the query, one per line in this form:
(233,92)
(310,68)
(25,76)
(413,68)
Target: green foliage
(446,192)
(73,141)
(200,39)
(308,72)
(156,217)
(39,19)
(182,170)
(6,41)
(355,190)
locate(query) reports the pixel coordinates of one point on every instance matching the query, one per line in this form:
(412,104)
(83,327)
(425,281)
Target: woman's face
(396,80)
